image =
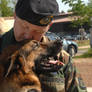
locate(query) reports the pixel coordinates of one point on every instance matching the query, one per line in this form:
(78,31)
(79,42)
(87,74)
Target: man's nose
(33,90)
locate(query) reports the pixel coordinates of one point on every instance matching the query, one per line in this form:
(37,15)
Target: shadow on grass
(87,54)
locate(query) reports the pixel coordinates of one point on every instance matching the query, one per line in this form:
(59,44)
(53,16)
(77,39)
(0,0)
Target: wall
(6,23)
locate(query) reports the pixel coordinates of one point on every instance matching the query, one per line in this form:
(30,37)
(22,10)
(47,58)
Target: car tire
(71,51)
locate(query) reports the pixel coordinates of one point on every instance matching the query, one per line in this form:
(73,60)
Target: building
(62,24)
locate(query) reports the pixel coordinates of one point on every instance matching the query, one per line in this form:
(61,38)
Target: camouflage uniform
(66,79)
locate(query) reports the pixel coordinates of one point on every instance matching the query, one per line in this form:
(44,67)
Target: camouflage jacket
(66,79)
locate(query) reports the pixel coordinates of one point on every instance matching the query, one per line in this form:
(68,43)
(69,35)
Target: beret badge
(46,20)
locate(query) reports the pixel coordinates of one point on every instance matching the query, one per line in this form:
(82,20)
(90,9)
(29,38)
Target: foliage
(5,9)
(82,12)
(90,3)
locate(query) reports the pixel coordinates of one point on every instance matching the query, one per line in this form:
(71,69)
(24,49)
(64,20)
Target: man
(32,19)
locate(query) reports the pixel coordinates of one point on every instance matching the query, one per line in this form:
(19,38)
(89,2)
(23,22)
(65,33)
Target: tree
(5,10)
(13,2)
(82,12)
(90,30)
(90,6)
(90,3)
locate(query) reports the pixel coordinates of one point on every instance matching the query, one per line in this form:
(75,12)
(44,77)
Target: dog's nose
(33,90)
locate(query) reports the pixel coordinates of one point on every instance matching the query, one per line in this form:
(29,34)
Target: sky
(64,8)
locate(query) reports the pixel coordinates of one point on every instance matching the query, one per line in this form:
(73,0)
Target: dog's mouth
(49,63)
(50,60)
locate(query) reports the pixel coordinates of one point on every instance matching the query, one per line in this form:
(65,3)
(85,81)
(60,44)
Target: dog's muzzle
(50,62)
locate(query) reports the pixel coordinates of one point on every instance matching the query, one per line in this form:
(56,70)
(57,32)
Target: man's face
(25,30)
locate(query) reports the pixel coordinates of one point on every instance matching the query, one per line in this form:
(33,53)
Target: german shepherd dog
(18,66)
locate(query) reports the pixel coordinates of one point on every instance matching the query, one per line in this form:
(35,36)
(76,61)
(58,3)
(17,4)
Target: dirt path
(85,68)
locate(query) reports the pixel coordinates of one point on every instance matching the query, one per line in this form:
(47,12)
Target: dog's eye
(36,45)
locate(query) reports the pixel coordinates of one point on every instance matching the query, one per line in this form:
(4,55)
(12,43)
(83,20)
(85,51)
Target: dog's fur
(17,68)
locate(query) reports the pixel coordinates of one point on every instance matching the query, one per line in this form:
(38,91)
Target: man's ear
(14,15)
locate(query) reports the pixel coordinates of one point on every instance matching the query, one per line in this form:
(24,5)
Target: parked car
(68,37)
(70,46)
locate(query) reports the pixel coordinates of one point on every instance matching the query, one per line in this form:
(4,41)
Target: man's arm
(73,80)
(7,39)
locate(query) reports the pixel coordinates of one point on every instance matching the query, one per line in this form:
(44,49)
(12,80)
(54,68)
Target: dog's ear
(45,39)
(15,62)
(9,65)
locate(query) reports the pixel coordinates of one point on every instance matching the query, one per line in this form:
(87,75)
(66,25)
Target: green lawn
(83,42)
(86,55)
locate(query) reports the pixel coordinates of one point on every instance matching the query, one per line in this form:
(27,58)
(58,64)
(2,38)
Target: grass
(87,54)
(83,42)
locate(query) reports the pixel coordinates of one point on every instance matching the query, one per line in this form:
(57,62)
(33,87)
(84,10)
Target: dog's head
(18,73)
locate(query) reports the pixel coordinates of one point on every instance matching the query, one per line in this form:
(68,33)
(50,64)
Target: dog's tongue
(53,62)
(56,62)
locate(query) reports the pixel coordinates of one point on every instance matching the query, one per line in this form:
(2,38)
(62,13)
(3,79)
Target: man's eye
(39,31)
(26,27)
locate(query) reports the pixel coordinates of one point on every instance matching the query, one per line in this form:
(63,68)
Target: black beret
(38,12)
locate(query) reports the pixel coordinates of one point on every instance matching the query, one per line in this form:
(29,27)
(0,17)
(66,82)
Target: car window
(52,36)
